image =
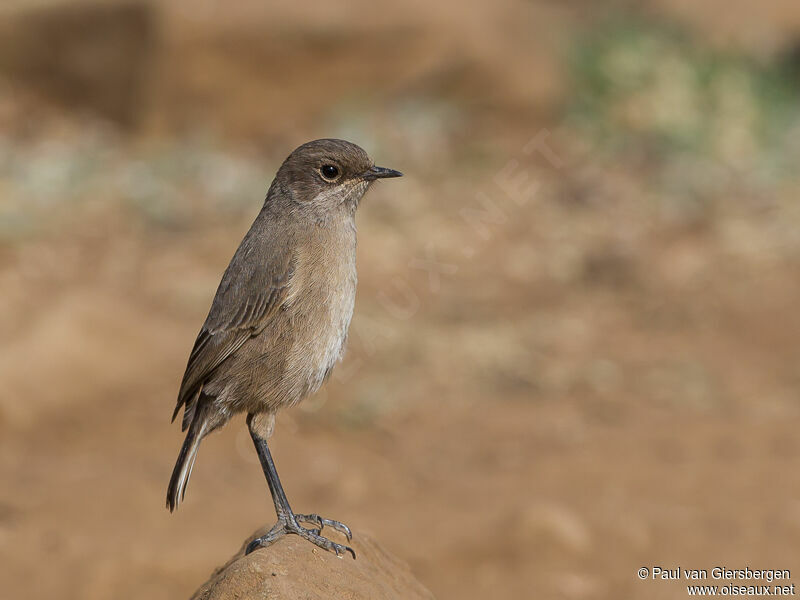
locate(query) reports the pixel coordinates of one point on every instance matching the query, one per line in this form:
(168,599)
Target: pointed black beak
(381,173)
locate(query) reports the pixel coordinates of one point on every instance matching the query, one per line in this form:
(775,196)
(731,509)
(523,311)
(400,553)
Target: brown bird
(279,320)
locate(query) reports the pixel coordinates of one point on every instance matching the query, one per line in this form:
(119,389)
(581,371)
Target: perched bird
(279,320)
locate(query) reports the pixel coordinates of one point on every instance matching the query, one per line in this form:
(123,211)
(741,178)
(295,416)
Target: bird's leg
(288,522)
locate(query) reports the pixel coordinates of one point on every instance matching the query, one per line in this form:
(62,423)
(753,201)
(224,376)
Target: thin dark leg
(276,489)
(287,520)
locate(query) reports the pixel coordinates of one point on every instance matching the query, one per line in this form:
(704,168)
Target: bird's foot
(291,524)
(320,523)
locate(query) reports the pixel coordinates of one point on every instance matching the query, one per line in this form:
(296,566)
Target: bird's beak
(374,173)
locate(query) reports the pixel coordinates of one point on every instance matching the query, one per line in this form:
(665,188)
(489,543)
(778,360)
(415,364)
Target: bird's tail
(183,467)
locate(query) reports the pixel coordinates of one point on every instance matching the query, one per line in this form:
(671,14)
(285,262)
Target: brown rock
(294,568)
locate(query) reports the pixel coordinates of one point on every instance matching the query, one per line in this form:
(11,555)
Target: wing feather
(250,292)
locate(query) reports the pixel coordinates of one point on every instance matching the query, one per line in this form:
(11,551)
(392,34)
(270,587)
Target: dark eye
(329,172)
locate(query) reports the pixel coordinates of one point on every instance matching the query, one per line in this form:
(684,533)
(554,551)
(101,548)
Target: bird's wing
(252,289)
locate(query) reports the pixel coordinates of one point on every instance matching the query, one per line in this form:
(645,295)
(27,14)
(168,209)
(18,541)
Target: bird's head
(326,174)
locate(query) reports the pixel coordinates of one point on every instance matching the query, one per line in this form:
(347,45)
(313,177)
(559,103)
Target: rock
(295,568)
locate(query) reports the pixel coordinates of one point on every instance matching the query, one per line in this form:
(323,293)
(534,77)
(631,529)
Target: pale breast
(321,304)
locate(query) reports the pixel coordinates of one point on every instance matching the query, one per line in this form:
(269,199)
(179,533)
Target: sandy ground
(506,436)
(536,404)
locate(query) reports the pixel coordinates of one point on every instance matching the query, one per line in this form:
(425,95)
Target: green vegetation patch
(652,89)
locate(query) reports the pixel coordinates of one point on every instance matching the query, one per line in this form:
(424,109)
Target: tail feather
(183,467)
(188,411)
(188,403)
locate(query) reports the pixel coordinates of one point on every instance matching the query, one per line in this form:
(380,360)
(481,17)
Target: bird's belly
(328,346)
(320,336)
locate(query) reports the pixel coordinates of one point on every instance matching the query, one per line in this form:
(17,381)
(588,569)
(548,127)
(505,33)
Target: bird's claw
(321,523)
(290,524)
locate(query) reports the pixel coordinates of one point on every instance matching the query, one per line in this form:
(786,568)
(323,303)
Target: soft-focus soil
(503,434)
(533,405)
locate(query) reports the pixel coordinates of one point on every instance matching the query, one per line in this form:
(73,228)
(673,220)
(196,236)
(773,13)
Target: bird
(279,319)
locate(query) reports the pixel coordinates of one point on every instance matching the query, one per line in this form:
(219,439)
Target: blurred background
(574,351)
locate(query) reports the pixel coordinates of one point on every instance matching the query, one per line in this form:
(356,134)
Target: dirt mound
(294,568)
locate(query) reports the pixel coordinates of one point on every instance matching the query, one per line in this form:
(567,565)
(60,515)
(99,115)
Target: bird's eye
(329,172)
